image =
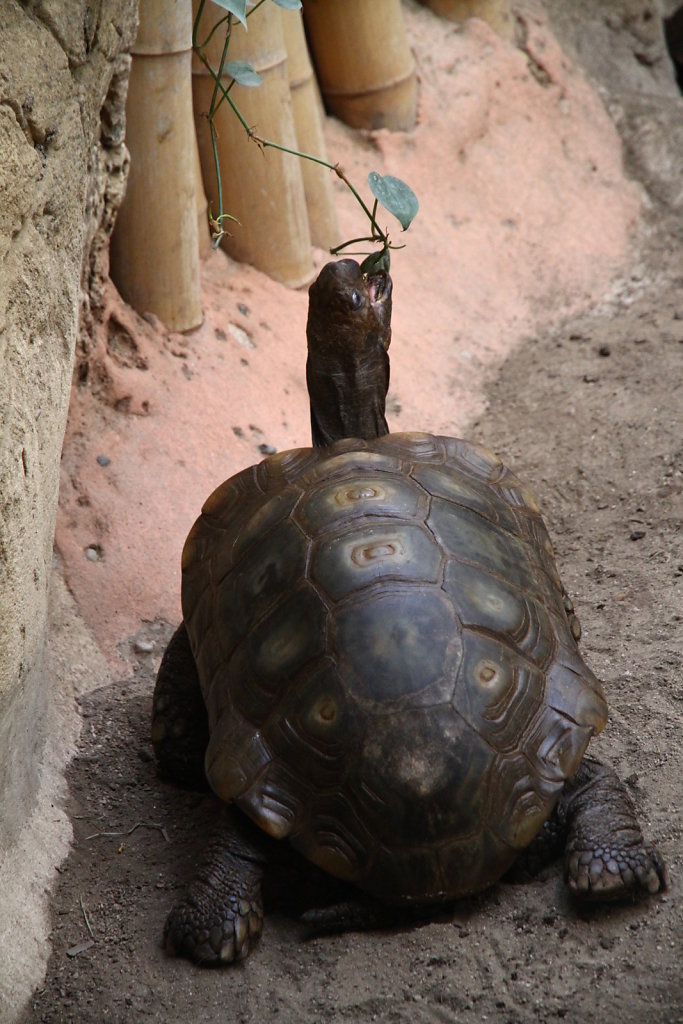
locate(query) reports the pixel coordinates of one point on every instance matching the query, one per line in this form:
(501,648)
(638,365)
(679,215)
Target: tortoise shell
(390,675)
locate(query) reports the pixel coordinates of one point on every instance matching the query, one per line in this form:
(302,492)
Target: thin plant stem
(196,45)
(219,183)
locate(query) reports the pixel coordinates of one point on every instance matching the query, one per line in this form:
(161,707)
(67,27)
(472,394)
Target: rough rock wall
(622,47)
(620,44)
(63,68)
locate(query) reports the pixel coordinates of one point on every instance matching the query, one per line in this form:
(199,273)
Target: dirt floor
(590,414)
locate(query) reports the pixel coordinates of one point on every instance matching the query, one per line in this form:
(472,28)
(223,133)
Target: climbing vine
(389,192)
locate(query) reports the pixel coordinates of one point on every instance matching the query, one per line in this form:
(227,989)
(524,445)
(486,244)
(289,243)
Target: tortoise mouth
(379,287)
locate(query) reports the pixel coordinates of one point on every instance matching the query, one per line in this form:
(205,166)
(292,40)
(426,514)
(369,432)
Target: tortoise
(378,662)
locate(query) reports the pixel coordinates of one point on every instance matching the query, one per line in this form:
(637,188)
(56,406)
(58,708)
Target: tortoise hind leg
(180,727)
(606,856)
(220,919)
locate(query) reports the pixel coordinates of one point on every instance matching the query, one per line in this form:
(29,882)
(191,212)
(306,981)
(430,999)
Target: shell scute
(374,550)
(266,664)
(523,800)
(333,505)
(488,602)
(574,691)
(458,487)
(237,753)
(245,592)
(337,839)
(498,692)
(414,446)
(277,470)
(273,512)
(342,460)
(319,728)
(471,538)
(474,459)
(394,646)
(554,743)
(276,800)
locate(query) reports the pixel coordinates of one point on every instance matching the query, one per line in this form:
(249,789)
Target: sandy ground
(551,329)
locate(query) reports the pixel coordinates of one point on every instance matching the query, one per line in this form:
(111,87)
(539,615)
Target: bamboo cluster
(367,77)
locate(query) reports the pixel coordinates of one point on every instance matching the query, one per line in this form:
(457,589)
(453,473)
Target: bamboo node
(383,86)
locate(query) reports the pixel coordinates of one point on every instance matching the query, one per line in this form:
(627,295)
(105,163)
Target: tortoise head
(348,331)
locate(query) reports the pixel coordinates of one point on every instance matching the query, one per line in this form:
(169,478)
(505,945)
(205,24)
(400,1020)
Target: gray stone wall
(63,68)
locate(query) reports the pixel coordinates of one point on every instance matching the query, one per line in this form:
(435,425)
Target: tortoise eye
(356,299)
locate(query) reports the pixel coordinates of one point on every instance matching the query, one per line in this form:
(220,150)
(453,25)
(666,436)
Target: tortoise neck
(348,398)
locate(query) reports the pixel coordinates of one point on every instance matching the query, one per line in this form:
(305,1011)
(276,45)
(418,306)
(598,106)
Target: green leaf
(289,5)
(395,196)
(236,7)
(375,262)
(243,73)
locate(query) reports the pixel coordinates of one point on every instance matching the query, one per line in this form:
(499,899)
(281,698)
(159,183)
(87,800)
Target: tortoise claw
(215,935)
(604,874)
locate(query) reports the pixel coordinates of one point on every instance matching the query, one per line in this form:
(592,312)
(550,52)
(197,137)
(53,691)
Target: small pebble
(92,554)
(80,948)
(103,460)
(144,646)
(244,310)
(267,449)
(240,336)
(604,350)
(637,534)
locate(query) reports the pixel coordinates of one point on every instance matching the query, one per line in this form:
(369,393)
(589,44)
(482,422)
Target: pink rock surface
(525,216)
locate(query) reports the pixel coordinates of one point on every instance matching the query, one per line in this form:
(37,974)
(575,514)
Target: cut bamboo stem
(263,189)
(495,12)
(308,120)
(363,61)
(203,229)
(155,246)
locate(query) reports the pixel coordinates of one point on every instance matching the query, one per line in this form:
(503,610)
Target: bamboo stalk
(203,230)
(495,12)
(363,61)
(308,120)
(263,190)
(155,246)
